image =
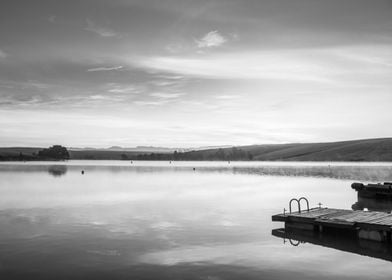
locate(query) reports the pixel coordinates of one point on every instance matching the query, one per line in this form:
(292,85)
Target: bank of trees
(232,154)
(56,152)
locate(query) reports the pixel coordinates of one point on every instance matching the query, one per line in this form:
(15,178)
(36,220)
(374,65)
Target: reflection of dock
(339,242)
(363,224)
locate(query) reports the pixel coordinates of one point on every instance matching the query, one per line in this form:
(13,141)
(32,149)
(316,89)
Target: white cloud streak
(105,68)
(313,65)
(164,95)
(101,31)
(2,54)
(240,66)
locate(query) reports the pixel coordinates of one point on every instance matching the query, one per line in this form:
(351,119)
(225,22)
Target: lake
(173,220)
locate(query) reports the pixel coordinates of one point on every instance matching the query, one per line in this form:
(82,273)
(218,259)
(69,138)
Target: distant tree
(56,152)
(220,155)
(124,157)
(176,155)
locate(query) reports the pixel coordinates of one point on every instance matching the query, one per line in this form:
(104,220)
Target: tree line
(56,152)
(232,154)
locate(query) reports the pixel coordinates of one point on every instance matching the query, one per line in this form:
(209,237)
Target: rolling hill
(355,150)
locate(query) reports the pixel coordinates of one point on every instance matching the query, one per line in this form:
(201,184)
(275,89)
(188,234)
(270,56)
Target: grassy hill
(356,150)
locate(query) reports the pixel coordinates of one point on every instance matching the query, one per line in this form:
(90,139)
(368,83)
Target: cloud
(2,54)
(52,19)
(227,97)
(165,95)
(351,65)
(125,89)
(102,31)
(174,48)
(211,39)
(295,66)
(105,68)
(150,103)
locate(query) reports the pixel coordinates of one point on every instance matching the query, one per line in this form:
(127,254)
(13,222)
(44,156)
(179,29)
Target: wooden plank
(360,216)
(335,214)
(382,220)
(315,213)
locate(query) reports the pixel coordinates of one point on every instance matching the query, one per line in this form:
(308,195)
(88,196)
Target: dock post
(320,228)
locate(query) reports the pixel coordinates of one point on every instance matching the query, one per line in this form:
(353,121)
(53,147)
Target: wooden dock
(364,224)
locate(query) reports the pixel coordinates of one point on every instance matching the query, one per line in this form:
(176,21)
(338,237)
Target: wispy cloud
(211,39)
(242,65)
(150,103)
(165,95)
(52,18)
(102,31)
(105,68)
(125,89)
(2,54)
(227,97)
(342,66)
(174,48)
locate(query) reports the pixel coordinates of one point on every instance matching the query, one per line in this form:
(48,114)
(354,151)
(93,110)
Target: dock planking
(369,224)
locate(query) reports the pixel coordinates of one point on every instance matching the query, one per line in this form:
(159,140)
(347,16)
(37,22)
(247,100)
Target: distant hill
(355,150)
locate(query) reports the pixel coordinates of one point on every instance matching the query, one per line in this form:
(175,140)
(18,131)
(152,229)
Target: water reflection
(336,241)
(57,170)
(158,220)
(337,170)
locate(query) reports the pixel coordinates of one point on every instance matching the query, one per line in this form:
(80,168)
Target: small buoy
(131,162)
(194,169)
(82,172)
(170,162)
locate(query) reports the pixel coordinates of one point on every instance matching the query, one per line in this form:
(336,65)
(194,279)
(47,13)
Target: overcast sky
(184,73)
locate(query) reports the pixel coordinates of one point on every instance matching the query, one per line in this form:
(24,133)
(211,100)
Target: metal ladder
(298,203)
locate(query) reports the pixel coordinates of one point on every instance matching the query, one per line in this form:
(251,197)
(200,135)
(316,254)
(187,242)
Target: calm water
(161,220)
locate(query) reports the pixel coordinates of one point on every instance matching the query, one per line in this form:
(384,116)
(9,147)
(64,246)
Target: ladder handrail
(299,205)
(306,200)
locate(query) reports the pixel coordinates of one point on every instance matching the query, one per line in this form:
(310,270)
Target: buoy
(82,172)
(194,169)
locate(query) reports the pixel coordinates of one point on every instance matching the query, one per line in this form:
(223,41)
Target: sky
(187,73)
